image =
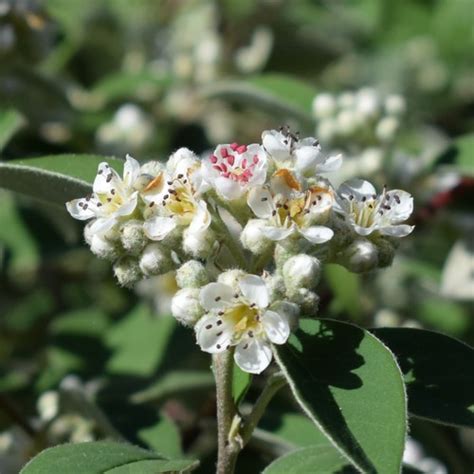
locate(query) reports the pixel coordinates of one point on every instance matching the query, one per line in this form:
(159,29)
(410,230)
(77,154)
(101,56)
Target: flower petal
(128,206)
(102,225)
(215,296)
(81,209)
(260,201)
(228,188)
(331,163)
(401,204)
(253,355)
(277,233)
(213,334)
(307,156)
(276,327)
(358,188)
(157,228)
(272,141)
(397,230)
(106,179)
(131,171)
(202,219)
(255,290)
(317,234)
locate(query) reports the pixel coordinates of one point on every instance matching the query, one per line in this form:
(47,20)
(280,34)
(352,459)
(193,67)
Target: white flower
(366,212)
(241,319)
(324,105)
(288,151)
(292,213)
(233,169)
(176,204)
(112,198)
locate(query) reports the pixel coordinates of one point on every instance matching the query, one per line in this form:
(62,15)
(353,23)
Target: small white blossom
(367,212)
(302,271)
(241,319)
(112,198)
(292,213)
(232,169)
(302,155)
(186,307)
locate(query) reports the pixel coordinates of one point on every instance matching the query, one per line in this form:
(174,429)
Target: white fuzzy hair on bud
(127,271)
(302,271)
(307,300)
(154,260)
(198,244)
(185,306)
(253,239)
(192,274)
(231,278)
(133,237)
(361,256)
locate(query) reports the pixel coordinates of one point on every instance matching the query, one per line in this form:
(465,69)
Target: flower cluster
(363,116)
(238,238)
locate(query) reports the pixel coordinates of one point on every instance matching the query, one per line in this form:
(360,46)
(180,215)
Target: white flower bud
(133,237)
(152,168)
(348,122)
(185,306)
(282,254)
(48,405)
(368,104)
(253,239)
(102,247)
(231,278)
(395,105)
(192,274)
(387,129)
(154,260)
(275,286)
(307,300)
(302,271)
(198,244)
(181,160)
(290,310)
(371,160)
(127,271)
(361,256)
(324,105)
(386,251)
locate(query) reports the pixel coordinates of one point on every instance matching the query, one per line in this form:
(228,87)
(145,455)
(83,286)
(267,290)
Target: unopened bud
(302,271)
(324,105)
(368,104)
(306,299)
(198,244)
(192,274)
(253,239)
(275,286)
(361,256)
(127,271)
(231,278)
(386,250)
(154,260)
(185,306)
(395,105)
(387,129)
(348,122)
(103,248)
(133,237)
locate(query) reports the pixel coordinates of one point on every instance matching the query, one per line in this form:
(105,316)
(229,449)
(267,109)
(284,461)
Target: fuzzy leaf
(102,457)
(350,386)
(56,178)
(438,372)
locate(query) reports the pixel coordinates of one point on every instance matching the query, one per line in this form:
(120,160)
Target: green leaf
(57,178)
(163,437)
(240,383)
(102,457)
(346,288)
(350,386)
(318,459)
(10,122)
(175,382)
(140,341)
(438,372)
(275,93)
(460,154)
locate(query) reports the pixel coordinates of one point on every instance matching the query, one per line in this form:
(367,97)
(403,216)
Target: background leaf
(349,384)
(240,383)
(56,179)
(99,458)
(438,372)
(10,122)
(320,459)
(275,93)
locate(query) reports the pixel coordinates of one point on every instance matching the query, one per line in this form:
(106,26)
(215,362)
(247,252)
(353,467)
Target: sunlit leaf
(350,386)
